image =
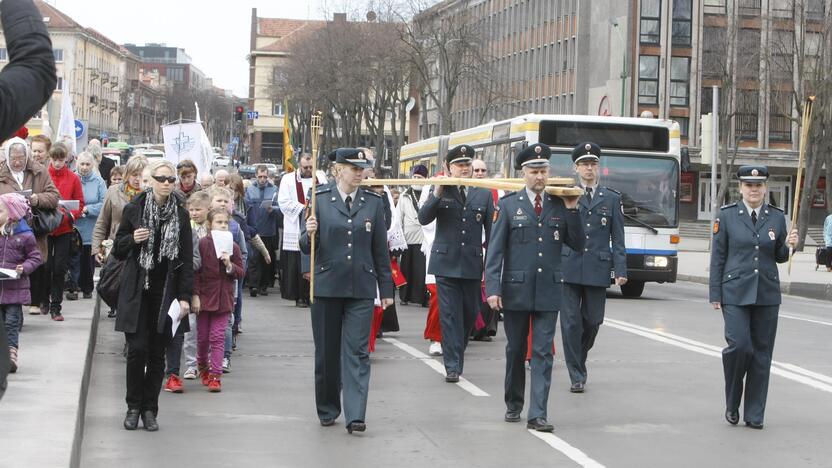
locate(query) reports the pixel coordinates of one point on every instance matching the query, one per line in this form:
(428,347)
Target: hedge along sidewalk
(42,413)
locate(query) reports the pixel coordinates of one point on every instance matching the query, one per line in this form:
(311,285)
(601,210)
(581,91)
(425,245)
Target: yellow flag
(288,153)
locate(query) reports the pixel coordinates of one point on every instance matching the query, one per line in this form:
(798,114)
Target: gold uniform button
(539,224)
(462,243)
(586,250)
(349,245)
(587,225)
(463,220)
(463,232)
(755,271)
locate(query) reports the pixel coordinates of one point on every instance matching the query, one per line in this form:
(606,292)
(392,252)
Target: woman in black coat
(154,239)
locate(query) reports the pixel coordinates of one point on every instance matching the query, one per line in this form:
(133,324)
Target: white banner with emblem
(188,141)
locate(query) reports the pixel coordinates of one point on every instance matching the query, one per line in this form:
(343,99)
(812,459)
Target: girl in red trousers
(214,284)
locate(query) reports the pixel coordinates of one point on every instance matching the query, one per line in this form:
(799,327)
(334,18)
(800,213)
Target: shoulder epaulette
(730,205)
(776,208)
(370,192)
(509,194)
(323,189)
(613,191)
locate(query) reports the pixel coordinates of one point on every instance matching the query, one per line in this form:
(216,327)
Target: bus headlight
(651,261)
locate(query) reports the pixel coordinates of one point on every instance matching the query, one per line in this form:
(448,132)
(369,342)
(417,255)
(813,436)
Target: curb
(822,292)
(78,436)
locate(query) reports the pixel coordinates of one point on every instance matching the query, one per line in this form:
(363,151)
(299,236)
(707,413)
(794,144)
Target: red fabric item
(398,277)
(23,133)
(299,187)
(529,344)
(538,207)
(378,314)
(495,196)
(433,330)
(69,186)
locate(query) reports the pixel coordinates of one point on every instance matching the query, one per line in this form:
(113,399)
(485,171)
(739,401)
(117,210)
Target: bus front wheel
(633,289)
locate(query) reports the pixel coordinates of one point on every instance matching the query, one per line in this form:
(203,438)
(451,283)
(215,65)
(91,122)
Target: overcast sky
(215,33)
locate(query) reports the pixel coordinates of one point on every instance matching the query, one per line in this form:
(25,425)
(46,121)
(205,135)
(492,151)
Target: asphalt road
(654,398)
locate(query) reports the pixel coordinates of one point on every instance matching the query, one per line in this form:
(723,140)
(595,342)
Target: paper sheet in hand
(71,205)
(26,193)
(223,242)
(173,312)
(6,273)
(266,204)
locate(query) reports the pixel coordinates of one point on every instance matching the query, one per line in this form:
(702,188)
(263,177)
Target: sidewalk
(804,281)
(44,404)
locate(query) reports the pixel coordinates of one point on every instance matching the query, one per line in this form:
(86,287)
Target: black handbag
(45,220)
(110,280)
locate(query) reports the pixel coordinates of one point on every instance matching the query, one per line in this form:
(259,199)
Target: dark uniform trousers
(456,262)
(745,280)
(340,329)
(749,332)
(516,325)
(586,273)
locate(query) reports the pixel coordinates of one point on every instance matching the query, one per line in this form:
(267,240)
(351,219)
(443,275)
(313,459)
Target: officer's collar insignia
(519,211)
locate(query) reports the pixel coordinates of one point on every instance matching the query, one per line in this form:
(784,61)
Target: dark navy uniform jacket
(352,258)
(744,257)
(457,247)
(602,221)
(524,253)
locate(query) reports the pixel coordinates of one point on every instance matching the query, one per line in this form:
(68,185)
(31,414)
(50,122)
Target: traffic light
(238,113)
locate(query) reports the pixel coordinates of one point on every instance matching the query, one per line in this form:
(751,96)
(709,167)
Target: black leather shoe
(754,425)
(149,421)
(327,422)
(512,416)
(540,425)
(452,377)
(577,387)
(264,292)
(131,421)
(356,426)
(733,417)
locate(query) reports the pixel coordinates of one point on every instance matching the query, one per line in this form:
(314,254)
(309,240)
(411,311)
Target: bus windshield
(649,185)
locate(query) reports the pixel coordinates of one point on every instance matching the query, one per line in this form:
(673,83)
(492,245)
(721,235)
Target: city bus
(641,160)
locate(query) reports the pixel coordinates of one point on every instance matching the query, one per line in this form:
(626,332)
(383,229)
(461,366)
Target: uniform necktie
(589,193)
(348,201)
(753,217)
(462,192)
(538,208)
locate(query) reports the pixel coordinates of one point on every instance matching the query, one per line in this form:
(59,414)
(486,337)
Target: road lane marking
(783,369)
(563,447)
(804,319)
(463,383)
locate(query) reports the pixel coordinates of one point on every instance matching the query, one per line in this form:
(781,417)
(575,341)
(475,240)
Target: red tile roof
(57,19)
(285,31)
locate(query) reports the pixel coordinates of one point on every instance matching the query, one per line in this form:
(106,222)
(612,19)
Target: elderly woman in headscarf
(21,173)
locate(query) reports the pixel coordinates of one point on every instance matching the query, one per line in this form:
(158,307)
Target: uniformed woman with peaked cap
(750,239)
(352,261)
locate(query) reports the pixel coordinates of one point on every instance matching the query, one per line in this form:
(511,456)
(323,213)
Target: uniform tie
(348,201)
(753,217)
(589,192)
(538,208)
(462,192)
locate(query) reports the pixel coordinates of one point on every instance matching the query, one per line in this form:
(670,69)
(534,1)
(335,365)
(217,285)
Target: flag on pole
(288,153)
(206,151)
(66,126)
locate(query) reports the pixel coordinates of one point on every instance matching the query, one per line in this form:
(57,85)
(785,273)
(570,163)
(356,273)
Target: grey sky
(215,33)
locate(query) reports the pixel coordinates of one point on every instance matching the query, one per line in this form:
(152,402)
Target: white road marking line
(463,383)
(783,369)
(804,319)
(563,447)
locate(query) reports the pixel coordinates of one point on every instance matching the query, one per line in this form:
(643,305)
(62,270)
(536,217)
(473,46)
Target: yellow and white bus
(641,160)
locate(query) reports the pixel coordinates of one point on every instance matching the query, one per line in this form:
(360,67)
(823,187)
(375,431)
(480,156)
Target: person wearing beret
(586,271)
(523,278)
(351,264)
(750,239)
(461,214)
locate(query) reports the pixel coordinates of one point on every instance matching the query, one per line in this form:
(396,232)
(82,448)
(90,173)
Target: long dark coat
(180,276)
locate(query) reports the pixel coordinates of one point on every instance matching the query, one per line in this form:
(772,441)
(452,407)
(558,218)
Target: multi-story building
(173,63)
(145,107)
(543,56)
(94,68)
(681,48)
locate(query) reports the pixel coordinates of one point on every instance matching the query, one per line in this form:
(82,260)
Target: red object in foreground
(433,330)
(398,277)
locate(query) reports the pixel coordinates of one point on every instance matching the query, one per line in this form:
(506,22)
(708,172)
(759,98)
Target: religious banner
(187,141)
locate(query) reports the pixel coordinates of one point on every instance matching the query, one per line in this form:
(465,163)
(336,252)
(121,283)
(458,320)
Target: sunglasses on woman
(162,179)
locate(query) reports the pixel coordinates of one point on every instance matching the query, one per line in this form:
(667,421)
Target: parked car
(246,171)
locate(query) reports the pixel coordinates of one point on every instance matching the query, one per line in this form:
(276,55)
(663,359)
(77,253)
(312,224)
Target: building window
(4,55)
(651,11)
(782,54)
(714,52)
(782,8)
(750,7)
(815,9)
(272,147)
(715,7)
(277,107)
(60,84)
(679,81)
(748,62)
(748,103)
(684,123)
(59,55)
(648,80)
(780,123)
(682,14)
(175,74)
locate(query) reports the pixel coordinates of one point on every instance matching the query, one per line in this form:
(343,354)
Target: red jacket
(212,284)
(69,186)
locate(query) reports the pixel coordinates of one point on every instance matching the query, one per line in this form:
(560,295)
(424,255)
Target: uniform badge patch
(603,221)
(479,217)
(771,234)
(557,235)
(368,225)
(716,226)
(519,211)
